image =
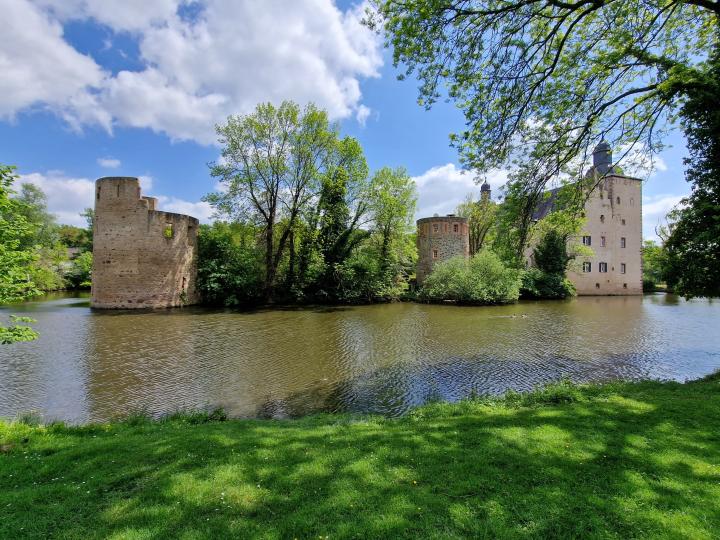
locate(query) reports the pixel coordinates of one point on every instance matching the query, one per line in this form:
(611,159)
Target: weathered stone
(439,239)
(142,257)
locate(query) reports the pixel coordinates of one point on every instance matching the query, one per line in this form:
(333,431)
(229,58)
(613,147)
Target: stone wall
(142,257)
(439,239)
(614,226)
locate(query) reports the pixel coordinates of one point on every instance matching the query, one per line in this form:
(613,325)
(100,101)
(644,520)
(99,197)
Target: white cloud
(362,114)
(227,59)
(109,163)
(655,208)
(201,210)
(40,69)
(442,188)
(68,196)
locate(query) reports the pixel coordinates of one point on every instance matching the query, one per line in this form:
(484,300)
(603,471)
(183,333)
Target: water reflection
(95,365)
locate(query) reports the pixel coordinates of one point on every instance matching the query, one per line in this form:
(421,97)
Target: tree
(32,203)
(653,265)
(393,207)
(269,170)
(693,246)
(15,284)
(541,81)
(481,218)
(549,75)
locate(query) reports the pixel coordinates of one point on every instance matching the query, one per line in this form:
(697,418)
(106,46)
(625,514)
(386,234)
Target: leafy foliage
(653,265)
(693,247)
(229,268)
(15,284)
(481,218)
(539,284)
(482,279)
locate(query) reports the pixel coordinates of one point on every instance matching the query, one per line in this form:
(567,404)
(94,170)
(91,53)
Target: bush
(649,285)
(483,279)
(229,269)
(539,284)
(78,275)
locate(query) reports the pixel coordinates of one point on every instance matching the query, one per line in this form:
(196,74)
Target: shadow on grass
(632,460)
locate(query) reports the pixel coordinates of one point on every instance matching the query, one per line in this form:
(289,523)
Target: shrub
(539,284)
(78,275)
(649,285)
(483,279)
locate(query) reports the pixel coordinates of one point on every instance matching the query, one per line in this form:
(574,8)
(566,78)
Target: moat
(92,365)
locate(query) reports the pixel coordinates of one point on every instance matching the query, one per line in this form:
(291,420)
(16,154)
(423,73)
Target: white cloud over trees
(224,59)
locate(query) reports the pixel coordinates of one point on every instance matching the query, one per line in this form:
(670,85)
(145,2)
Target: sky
(92,88)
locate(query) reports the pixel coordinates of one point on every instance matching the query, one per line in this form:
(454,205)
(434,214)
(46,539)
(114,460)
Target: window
(602,267)
(624,285)
(587,267)
(617,200)
(456,227)
(436,227)
(597,285)
(622,242)
(602,241)
(623,222)
(98,193)
(602,218)
(587,240)
(435,254)
(622,268)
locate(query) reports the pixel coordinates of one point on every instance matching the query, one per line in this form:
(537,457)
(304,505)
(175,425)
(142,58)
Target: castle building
(142,257)
(439,239)
(613,230)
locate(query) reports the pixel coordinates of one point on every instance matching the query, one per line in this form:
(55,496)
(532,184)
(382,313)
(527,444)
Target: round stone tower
(142,257)
(439,239)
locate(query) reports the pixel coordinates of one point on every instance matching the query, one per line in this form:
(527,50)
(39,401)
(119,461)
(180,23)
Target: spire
(602,157)
(485,191)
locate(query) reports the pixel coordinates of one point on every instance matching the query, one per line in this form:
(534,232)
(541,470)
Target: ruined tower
(142,257)
(439,239)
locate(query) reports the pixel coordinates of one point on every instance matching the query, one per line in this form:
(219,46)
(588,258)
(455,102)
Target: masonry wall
(439,239)
(613,212)
(142,257)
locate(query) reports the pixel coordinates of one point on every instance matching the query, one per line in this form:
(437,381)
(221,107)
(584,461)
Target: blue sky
(133,88)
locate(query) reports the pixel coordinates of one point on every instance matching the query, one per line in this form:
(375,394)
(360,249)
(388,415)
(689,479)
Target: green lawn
(616,461)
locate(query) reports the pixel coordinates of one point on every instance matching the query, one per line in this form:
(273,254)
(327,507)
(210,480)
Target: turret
(602,158)
(485,191)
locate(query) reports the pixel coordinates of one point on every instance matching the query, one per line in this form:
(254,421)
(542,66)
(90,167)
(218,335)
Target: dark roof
(546,204)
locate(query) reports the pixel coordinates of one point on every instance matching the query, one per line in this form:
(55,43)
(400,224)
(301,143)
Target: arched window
(602,218)
(617,200)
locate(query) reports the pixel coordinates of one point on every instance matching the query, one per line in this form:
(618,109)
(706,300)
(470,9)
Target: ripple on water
(92,365)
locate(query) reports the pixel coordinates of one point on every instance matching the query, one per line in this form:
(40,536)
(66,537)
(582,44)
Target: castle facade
(142,257)
(613,230)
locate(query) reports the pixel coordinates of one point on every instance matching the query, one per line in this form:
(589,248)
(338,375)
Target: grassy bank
(614,461)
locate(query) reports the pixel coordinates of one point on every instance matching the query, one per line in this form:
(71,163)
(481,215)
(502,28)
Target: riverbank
(619,460)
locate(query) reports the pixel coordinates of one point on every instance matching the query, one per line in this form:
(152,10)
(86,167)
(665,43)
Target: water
(98,365)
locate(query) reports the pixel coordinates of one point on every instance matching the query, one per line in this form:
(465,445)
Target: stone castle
(142,257)
(613,230)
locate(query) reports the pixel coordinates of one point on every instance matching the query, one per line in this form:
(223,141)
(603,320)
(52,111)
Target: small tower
(602,158)
(485,191)
(439,239)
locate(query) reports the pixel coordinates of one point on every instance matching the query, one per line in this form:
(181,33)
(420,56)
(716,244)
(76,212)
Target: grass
(624,460)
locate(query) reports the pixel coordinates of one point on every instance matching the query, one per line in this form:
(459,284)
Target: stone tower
(142,257)
(439,239)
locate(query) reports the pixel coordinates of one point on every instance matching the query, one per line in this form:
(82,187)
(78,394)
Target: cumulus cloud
(109,163)
(227,58)
(655,208)
(362,114)
(442,188)
(67,196)
(40,69)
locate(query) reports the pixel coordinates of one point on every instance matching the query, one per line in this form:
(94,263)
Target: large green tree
(270,169)
(693,246)
(15,260)
(542,81)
